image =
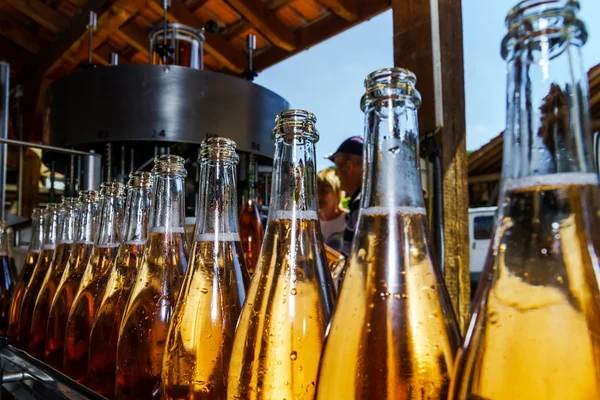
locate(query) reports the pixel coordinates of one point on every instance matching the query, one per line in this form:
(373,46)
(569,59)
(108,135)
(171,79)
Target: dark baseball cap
(352,145)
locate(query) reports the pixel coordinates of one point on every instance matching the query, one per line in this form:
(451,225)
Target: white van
(481,229)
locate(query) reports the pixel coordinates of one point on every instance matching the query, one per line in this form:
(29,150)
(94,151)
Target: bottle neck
(136,219)
(52,221)
(87,230)
(217,203)
(294,186)
(69,225)
(110,221)
(391,178)
(547,127)
(37,233)
(168,204)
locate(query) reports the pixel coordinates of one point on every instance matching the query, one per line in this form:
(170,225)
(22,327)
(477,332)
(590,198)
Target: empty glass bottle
(148,312)
(87,300)
(394,334)
(71,209)
(200,339)
(8,275)
(105,330)
(281,330)
(535,328)
(53,215)
(87,230)
(33,251)
(251,232)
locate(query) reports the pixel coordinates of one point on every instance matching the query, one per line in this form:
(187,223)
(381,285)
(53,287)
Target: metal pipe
(46,147)
(123,157)
(91,26)
(114,58)
(15,377)
(131,160)
(92,167)
(4,93)
(19,96)
(108,154)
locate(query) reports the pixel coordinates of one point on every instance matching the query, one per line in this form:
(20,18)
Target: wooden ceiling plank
(109,22)
(267,22)
(347,9)
(320,31)
(216,45)
(40,13)
(19,34)
(134,37)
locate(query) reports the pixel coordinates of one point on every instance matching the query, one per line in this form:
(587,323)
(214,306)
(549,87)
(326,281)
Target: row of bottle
(535,327)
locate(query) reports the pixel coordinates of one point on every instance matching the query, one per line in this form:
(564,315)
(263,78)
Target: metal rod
(251,46)
(15,377)
(166,5)
(131,160)
(114,58)
(4,93)
(46,147)
(108,154)
(91,26)
(19,96)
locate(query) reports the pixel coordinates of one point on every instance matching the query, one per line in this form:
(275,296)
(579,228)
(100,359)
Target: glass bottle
(251,231)
(53,215)
(105,330)
(87,300)
(87,230)
(148,312)
(33,251)
(200,338)
(71,209)
(8,276)
(394,334)
(281,330)
(535,327)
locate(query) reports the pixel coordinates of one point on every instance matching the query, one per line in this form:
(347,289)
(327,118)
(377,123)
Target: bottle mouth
(112,189)
(140,179)
(296,123)
(70,201)
(552,21)
(89,196)
(218,149)
(390,83)
(52,207)
(169,163)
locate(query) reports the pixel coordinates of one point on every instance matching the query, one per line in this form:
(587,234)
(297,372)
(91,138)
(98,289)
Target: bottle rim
(218,149)
(70,201)
(169,163)
(112,189)
(390,83)
(527,9)
(296,123)
(89,196)
(140,179)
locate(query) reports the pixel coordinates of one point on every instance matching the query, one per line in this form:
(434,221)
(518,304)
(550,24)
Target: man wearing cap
(348,167)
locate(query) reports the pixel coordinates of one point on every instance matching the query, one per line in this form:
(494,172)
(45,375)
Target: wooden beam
(320,31)
(428,40)
(266,22)
(108,23)
(347,9)
(17,33)
(485,178)
(135,37)
(216,45)
(40,13)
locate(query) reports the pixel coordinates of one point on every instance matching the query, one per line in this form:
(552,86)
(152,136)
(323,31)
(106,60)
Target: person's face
(328,202)
(341,170)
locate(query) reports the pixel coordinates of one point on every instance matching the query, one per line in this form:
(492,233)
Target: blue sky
(328,78)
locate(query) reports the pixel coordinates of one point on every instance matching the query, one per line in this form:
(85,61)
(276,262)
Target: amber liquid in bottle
(146,322)
(83,312)
(105,330)
(44,300)
(393,335)
(198,350)
(535,327)
(251,233)
(37,237)
(148,312)
(71,279)
(86,303)
(71,208)
(282,327)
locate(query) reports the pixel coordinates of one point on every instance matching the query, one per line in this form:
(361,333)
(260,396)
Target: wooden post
(428,41)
